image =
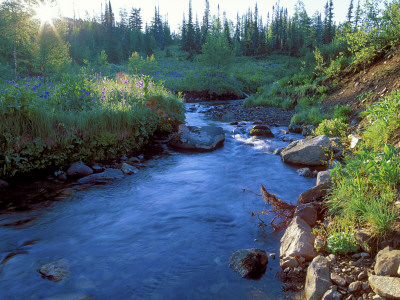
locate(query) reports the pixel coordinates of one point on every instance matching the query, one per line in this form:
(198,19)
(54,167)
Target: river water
(165,233)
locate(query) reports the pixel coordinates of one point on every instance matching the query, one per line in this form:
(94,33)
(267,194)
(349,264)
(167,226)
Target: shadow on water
(165,233)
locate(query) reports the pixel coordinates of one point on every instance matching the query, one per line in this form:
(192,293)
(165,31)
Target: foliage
(341,243)
(364,192)
(80,118)
(332,128)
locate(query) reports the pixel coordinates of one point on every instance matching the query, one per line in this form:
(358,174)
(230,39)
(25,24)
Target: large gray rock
(55,271)
(312,152)
(298,240)
(249,263)
(205,138)
(3,184)
(79,169)
(315,194)
(307,212)
(103,177)
(317,279)
(295,128)
(261,130)
(387,262)
(385,286)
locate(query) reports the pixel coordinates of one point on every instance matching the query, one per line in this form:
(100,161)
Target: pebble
(338,280)
(362,276)
(354,286)
(272,255)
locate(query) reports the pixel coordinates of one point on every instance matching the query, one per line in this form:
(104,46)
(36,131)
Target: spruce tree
(350,12)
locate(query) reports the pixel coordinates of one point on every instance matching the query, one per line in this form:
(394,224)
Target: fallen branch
(273,205)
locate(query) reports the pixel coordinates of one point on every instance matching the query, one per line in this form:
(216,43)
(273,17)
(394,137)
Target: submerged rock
(205,138)
(128,169)
(261,130)
(103,177)
(249,263)
(55,271)
(79,169)
(312,152)
(295,128)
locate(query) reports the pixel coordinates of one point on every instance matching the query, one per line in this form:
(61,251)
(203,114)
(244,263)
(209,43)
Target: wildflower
(112,89)
(2,92)
(83,90)
(87,93)
(82,96)
(94,100)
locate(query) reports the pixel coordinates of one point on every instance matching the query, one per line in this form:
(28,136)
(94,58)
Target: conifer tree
(205,26)
(350,12)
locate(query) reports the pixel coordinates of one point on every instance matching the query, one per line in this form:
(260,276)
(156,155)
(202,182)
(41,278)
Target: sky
(174,9)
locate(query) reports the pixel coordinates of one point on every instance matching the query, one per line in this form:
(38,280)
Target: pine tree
(357,17)
(205,26)
(183,33)
(190,38)
(135,19)
(350,12)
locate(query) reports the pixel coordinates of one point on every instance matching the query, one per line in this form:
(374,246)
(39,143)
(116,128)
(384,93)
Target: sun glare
(46,12)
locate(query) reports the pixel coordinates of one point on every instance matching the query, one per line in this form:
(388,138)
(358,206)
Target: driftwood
(273,205)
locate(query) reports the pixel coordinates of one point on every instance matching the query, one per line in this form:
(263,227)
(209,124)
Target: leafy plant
(341,243)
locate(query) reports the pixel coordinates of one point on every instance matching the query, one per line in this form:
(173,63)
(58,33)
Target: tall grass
(80,118)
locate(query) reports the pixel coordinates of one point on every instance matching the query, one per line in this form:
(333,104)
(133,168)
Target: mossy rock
(262,131)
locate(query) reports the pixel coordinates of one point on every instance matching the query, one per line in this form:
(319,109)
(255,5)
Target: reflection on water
(165,233)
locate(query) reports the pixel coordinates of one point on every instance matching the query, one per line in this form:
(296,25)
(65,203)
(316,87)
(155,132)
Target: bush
(332,128)
(341,243)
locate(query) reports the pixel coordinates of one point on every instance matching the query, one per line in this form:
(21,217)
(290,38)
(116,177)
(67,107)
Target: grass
(366,187)
(47,125)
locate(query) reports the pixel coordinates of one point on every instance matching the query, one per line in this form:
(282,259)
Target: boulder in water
(249,263)
(3,184)
(311,152)
(79,169)
(261,130)
(201,139)
(103,177)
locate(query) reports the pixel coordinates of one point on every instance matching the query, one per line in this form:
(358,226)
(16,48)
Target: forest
(94,88)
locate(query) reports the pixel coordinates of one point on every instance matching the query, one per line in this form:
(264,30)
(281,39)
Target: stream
(165,233)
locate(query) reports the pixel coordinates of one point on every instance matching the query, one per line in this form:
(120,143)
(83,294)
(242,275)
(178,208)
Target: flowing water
(165,233)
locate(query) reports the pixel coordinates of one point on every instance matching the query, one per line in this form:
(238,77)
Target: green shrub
(342,112)
(309,115)
(332,128)
(341,243)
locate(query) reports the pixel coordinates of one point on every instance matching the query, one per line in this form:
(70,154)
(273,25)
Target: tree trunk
(15,59)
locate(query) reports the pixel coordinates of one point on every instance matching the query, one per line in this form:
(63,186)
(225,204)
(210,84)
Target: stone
(298,240)
(332,295)
(55,271)
(315,194)
(128,169)
(305,172)
(60,175)
(387,262)
(312,152)
(199,139)
(307,130)
(278,151)
(261,130)
(3,184)
(317,279)
(272,255)
(363,238)
(332,258)
(307,212)
(79,169)
(376,297)
(338,280)
(289,262)
(364,286)
(249,263)
(336,145)
(385,286)
(354,140)
(324,177)
(103,177)
(362,276)
(135,160)
(354,287)
(295,128)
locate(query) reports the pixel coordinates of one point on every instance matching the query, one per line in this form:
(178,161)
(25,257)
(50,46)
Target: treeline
(279,33)
(29,47)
